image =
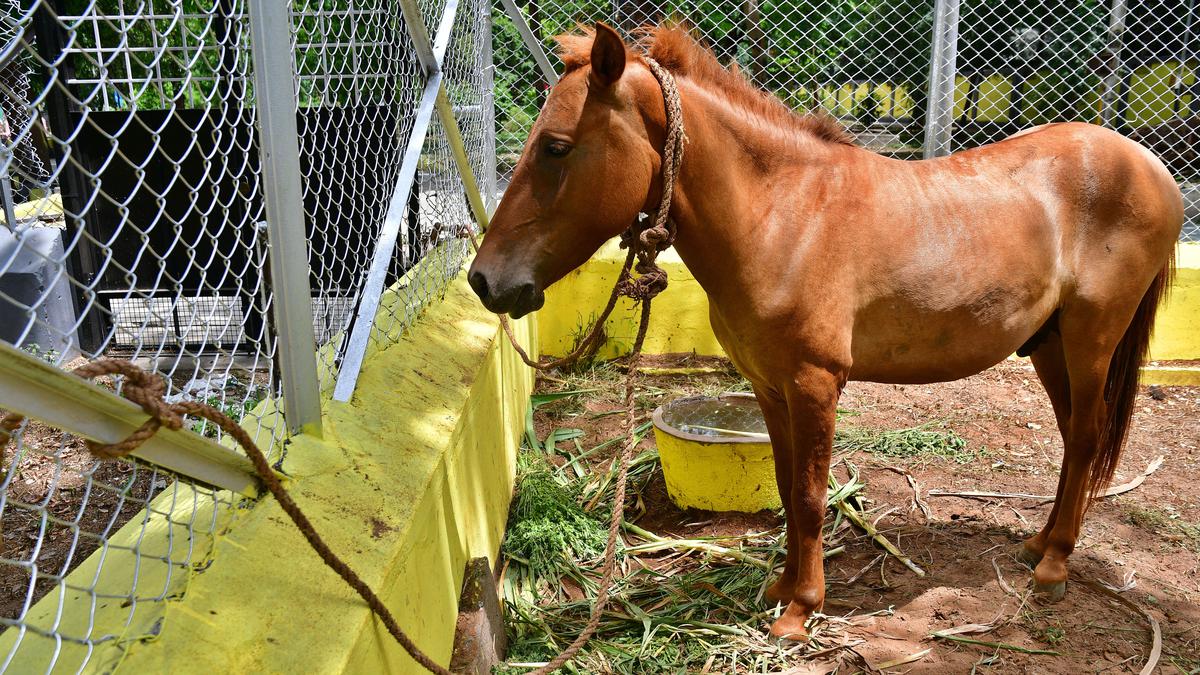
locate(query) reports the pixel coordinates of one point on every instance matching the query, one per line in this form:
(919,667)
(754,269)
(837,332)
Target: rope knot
(656,238)
(147,390)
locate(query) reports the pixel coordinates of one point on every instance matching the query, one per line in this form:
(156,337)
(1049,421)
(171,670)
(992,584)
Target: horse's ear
(608,55)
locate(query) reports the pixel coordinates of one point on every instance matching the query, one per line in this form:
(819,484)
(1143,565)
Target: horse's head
(587,170)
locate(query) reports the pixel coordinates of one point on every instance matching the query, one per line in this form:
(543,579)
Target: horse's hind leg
(1081,444)
(1051,367)
(1089,338)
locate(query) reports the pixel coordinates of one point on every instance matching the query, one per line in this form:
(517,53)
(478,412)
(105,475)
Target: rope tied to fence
(148,390)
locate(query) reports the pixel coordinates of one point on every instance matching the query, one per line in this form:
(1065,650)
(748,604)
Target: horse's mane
(674,47)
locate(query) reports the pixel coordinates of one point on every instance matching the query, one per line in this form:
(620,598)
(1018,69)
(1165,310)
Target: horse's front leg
(779,427)
(812,411)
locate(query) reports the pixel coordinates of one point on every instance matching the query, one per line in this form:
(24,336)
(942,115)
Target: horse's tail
(1120,390)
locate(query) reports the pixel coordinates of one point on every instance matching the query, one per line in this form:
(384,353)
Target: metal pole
(491,198)
(6,162)
(385,245)
(6,191)
(532,43)
(1185,57)
(943,66)
(31,387)
(275,90)
(1111,90)
(458,149)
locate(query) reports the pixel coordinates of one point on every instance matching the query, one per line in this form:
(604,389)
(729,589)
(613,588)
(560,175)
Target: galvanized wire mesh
(130,229)
(359,80)
(1130,65)
(434,248)
(134,225)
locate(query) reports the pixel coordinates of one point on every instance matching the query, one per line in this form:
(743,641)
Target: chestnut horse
(824,262)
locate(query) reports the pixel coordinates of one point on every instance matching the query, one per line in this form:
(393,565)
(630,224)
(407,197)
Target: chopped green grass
(914,442)
(547,528)
(680,605)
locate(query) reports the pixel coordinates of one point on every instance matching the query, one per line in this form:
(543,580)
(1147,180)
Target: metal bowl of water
(716,454)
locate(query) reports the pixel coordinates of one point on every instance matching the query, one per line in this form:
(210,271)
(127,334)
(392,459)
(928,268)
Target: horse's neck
(733,164)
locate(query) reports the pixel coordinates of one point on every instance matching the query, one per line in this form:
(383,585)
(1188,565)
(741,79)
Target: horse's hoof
(789,627)
(788,635)
(789,642)
(1050,592)
(1027,556)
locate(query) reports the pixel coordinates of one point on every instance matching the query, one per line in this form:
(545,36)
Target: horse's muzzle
(516,300)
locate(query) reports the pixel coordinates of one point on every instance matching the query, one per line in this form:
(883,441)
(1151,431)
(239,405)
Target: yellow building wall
(1150,97)
(994,99)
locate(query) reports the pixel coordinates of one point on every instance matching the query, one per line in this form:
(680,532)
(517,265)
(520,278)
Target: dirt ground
(1145,542)
(68,516)
(61,503)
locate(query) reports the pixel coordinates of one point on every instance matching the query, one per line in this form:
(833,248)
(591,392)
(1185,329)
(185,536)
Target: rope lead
(148,391)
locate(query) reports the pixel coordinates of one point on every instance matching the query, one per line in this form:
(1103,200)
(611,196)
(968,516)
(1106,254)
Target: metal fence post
(532,43)
(275,92)
(1111,89)
(491,196)
(943,67)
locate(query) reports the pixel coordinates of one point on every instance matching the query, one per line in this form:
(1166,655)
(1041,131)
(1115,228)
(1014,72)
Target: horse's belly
(904,342)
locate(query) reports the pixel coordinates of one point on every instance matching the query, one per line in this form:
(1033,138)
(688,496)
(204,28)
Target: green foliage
(707,614)
(914,442)
(49,356)
(1051,635)
(547,528)
(235,404)
(161,52)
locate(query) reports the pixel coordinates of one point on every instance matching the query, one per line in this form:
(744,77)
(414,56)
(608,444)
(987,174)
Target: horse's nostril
(478,283)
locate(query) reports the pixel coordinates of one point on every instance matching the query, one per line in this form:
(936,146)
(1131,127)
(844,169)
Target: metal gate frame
(433,97)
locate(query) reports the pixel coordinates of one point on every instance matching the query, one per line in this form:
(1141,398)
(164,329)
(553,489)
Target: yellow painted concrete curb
(1171,376)
(412,479)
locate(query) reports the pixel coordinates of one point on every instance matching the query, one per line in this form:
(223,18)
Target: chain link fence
(915,78)
(144,217)
(138,222)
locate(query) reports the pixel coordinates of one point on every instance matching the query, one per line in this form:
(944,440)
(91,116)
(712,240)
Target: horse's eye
(558,148)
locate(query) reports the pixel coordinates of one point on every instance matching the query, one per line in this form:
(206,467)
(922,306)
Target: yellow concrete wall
(1177,329)
(1150,97)
(994,99)
(412,478)
(680,320)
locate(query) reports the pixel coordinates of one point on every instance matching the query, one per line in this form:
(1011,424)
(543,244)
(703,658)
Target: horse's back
(988,243)
(1121,209)
(1106,198)
(1105,173)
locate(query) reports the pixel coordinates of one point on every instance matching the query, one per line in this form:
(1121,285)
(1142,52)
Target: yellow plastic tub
(716,454)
